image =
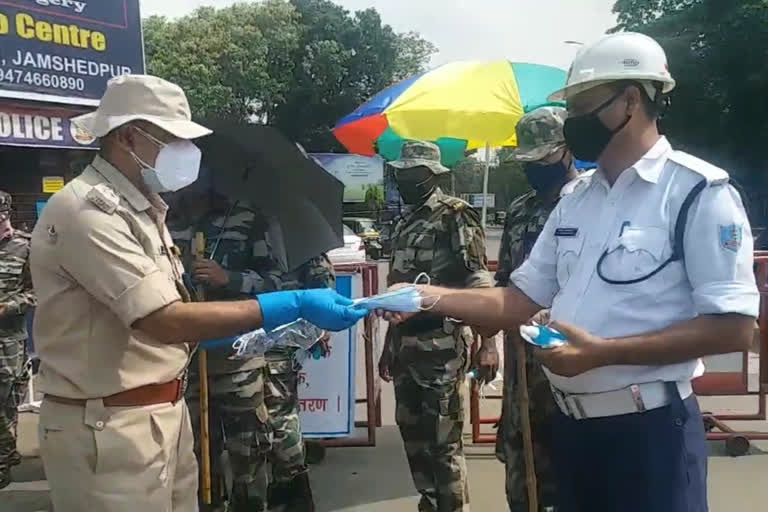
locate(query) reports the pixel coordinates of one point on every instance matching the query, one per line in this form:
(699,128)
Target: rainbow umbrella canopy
(460,106)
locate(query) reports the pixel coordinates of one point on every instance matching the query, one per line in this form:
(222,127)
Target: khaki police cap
(146,98)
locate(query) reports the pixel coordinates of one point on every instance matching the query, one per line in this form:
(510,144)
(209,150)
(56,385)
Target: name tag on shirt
(566,232)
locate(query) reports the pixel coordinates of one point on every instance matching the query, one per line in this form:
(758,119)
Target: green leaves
(300,65)
(718,53)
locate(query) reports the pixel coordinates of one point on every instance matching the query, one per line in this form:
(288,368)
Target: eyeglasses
(151,137)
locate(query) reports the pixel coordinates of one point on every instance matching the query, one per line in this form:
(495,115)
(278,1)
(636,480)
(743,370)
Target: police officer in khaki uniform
(112,329)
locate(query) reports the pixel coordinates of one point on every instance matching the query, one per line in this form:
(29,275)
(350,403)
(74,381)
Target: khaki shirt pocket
(137,440)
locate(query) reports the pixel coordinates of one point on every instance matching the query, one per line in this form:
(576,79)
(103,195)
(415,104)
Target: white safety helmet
(622,56)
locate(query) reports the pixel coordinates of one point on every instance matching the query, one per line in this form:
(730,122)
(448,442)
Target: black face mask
(544,178)
(414,186)
(587,136)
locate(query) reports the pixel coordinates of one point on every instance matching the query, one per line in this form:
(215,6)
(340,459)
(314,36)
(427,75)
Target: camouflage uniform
(539,135)
(444,239)
(236,387)
(526,217)
(289,469)
(243,391)
(16,298)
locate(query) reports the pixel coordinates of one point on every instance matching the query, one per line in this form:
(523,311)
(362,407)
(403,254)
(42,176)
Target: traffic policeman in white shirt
(647,268)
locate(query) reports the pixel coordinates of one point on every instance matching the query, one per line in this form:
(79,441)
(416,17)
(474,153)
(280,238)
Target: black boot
(300,499)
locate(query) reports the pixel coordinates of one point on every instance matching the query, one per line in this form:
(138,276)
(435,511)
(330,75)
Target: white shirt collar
(650,165)
(571,185)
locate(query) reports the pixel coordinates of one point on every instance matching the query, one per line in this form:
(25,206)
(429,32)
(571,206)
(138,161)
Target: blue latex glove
(322,307)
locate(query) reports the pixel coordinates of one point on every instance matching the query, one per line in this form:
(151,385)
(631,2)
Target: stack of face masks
(304,336)
(299,334)
(404,300)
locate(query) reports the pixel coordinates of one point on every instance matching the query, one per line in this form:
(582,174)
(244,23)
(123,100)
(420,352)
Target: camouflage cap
(416,153)
(5,201)
(540,133)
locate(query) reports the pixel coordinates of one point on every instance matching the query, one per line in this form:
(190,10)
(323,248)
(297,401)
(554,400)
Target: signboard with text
(327,386)
(65,51)
(476,200)
(46,126)
(358,173)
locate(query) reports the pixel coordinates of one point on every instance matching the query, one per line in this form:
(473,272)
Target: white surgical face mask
(176,166)
(405,300)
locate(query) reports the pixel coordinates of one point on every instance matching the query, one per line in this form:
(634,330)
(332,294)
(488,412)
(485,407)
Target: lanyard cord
(678,250)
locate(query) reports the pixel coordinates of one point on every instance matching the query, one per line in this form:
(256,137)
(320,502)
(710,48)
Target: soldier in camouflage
(427,356)
(16,298)
(290,478)
(253,401)
(549,167)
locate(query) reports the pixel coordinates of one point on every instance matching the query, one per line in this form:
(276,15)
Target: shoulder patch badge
(104,197)
(731,237)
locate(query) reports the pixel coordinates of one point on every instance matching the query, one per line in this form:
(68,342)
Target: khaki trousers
(119,459)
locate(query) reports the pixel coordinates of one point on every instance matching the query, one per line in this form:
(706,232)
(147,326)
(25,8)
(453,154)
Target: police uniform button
(678,422)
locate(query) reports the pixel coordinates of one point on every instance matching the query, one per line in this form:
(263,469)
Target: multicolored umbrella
(460,106)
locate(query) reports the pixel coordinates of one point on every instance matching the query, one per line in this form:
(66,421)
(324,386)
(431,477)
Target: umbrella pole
(485,182)
(205,434)
(525,417)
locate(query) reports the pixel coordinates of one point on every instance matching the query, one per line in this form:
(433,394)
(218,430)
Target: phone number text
(35,79)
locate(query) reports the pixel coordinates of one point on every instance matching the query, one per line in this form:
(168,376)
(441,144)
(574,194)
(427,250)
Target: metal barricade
(478,436)
(372,399)
(736,383)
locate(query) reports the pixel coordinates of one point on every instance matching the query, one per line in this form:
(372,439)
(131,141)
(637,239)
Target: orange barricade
(735,383)
(478,437)
(712,384)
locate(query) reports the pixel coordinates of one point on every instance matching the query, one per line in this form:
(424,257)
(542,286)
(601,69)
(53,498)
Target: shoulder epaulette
(104,197)
(713,174)
(455,203)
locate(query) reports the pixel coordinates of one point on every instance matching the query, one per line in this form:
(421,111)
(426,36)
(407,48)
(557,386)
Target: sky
(518,30)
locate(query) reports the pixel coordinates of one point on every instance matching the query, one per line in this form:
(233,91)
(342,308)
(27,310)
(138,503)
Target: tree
(341,61)
(229,61)
(718,52)
(299,65)
(633,14)
(506,180)
(413,53)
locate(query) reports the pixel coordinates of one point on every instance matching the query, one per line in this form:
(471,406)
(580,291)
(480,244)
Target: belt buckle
(562,398)
(637,398)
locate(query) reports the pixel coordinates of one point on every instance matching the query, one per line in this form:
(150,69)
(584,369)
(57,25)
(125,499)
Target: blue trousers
(654,461)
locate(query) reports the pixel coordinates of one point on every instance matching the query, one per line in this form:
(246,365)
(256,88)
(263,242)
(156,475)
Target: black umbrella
(259,165)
